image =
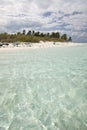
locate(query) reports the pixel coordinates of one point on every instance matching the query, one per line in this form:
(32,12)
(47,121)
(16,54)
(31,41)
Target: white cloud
(65,16)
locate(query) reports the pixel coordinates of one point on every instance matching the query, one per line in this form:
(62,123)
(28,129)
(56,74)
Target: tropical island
(32,37)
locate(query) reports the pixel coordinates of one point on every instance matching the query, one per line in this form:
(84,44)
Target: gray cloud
(20,25)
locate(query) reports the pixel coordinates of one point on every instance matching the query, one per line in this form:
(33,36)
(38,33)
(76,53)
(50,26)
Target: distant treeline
(32,36)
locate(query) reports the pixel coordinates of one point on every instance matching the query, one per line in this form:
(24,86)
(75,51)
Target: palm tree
(69,39)
(29,32)
(33,32)
(64,37)
(48,34)
(57,35)
(24,32)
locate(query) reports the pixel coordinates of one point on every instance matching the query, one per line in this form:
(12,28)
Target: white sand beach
(37,45)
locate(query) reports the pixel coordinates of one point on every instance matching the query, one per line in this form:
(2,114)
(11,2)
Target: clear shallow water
(44,89)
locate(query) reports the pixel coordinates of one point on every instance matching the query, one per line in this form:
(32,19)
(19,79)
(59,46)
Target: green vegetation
(32,36)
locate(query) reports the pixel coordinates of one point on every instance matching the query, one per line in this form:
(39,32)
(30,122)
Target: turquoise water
(44,89)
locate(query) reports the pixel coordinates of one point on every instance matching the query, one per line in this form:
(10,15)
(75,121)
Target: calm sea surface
(44,89)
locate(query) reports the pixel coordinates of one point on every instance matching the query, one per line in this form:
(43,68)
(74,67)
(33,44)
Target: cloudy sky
(65,16)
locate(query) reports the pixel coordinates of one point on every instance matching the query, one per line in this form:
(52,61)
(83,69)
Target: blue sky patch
(47,14)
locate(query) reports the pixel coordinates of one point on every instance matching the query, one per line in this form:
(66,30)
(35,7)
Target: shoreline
(22,46)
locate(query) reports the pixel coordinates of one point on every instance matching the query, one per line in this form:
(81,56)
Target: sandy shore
(37,45)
